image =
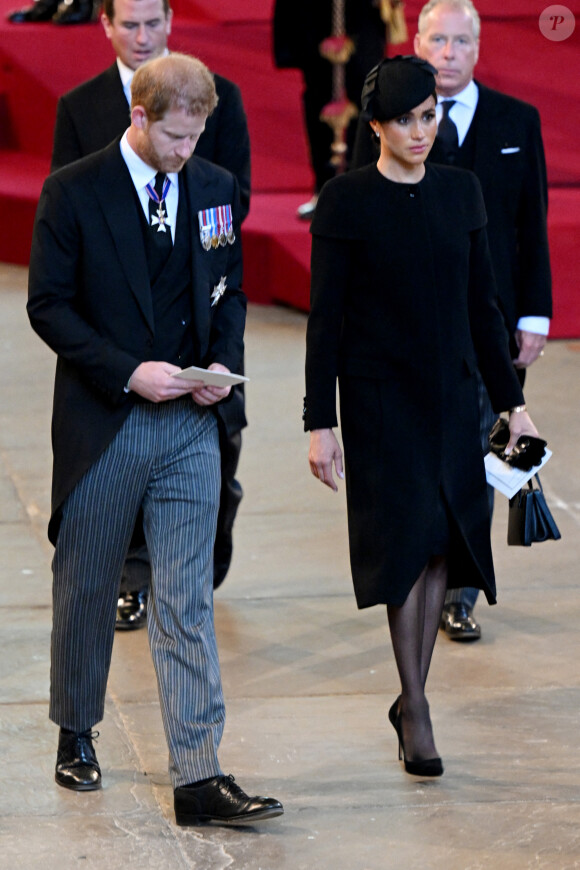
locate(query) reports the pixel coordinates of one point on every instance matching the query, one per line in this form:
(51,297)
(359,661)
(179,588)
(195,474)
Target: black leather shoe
(221,800)
(131,610)
(74,12)
(77,767)
(41,10)
(458,623)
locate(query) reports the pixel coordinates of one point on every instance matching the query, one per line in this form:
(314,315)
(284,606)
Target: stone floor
(308,679)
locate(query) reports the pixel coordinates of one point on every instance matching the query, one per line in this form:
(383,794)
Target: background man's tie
(447,133)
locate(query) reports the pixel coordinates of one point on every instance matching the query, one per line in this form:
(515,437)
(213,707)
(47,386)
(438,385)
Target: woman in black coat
(402,312)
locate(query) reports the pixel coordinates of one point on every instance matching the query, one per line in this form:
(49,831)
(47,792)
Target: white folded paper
(507,479)
(213,379)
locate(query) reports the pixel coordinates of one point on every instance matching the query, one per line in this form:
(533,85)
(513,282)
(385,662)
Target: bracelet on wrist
(517,409)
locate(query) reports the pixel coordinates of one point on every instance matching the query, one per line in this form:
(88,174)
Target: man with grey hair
(135,275)
(499,138)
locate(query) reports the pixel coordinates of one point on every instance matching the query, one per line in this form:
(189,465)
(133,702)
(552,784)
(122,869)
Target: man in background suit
(499,138)
(299,27)
(88,118)
(125,288)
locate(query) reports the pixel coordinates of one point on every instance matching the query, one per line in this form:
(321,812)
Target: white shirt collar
(126,74)
(467,97)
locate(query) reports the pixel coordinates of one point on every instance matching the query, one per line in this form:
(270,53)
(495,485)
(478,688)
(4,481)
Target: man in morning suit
(127,289)
(498,138)
(88,118)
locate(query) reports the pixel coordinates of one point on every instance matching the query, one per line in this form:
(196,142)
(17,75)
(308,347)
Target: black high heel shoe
(394,713)
(425,767)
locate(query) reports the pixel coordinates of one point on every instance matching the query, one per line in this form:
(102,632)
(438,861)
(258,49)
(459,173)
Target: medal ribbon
(153,193)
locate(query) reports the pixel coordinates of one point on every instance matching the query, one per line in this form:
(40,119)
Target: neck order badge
(157,194)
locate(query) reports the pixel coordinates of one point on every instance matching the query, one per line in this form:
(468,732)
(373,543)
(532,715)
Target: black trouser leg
(230,498)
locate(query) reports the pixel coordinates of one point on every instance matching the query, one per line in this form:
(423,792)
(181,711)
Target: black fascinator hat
(395,86)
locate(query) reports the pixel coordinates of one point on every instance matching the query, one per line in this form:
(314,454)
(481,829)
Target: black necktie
(447,133)
(159,241)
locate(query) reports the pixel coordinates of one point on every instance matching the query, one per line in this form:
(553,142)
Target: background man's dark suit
(299,26)
(88,118)
(504,148)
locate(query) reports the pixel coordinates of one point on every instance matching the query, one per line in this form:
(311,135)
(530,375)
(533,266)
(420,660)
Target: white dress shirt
(463,111)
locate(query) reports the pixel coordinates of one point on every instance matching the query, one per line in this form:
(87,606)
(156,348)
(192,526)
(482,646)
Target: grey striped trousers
(165,458)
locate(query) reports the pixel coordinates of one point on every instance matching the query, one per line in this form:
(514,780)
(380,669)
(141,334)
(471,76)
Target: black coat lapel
(197,186)
(117,113)
(486,136)
(116,194)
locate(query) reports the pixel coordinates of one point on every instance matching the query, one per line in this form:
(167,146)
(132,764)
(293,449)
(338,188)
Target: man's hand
(530,345)
(206,395)
(153,381)
(324,450)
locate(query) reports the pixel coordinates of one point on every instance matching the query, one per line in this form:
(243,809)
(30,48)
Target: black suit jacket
(90,299)
(510,164)
(89,117)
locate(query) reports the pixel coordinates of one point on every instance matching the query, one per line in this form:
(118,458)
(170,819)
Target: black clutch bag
(529,518)
(527,452)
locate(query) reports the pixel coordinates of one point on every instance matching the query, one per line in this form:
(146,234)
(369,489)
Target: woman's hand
(520,423)
(324,450)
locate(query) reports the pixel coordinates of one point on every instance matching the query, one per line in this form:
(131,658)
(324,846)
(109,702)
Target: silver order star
(218,291)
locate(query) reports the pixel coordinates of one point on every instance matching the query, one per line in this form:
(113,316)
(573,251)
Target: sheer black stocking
(414,629)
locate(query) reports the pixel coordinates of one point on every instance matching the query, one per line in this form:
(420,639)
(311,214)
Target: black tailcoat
(90,116)
(90,299)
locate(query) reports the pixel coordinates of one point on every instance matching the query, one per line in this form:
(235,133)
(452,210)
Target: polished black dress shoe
(221,800)
(41,10)
(131,610)
(458,623)
(423,767)
(75,12)
(77,767)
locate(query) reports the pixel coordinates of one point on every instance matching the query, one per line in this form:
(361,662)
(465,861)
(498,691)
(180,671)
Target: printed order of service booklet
(213,379)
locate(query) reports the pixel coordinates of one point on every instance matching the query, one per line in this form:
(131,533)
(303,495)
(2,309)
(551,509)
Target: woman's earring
(377,134)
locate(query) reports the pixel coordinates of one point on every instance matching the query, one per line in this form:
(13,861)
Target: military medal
(216,227)
(218,291)
(228,225)
(160,218)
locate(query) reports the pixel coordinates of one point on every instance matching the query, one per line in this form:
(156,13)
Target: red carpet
(40,62)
